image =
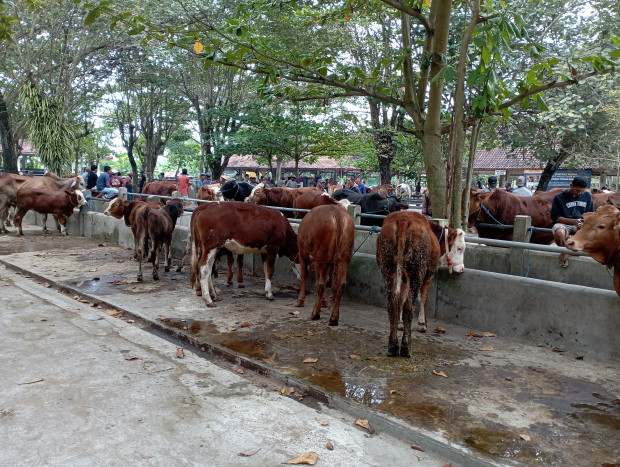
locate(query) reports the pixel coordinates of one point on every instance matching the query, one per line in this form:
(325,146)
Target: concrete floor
(505,400)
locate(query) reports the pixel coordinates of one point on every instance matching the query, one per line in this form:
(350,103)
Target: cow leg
(62,220)
(19,215)
(139,251)
(268,267)
(45,229)
(230,261)
(303,266)
(155,250)
(167,258)
(321,286)
(240,283)
(206,277)
(423,297)
(339,282)
(407,316)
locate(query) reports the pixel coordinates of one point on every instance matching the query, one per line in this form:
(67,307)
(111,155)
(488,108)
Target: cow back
(162,188)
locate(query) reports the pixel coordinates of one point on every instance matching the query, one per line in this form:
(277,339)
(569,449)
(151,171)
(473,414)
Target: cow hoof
(300,303)
(422,327)
(139,279)
(211,305)
(166,269)
(333,322)
(155,278)
(316,317)
(270,297)
(393,352)
(405,352)
(241,286)
(217,299)
(199,292)
(179,268)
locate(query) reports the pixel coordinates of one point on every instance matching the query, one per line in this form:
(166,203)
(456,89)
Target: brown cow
(241,228)
(11,183)
(280,196)
(325,240)
(408,254)
(162,188)
(156,226)
(59,203)
(314,198)
(500,207)
(210,192)
(599,236)
(386,190)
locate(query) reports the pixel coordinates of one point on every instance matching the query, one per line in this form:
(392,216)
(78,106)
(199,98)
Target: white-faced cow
(59,203)
(241,228)
(325,240)
(408,254)
(600,237)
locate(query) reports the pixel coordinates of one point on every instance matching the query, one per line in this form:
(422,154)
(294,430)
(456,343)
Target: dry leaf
(246,325)
(447,464)
(440,330)
(231,328)
(164,319)
(417,448)
(394,391)
(329,446)
(202,349)
(308,458)
(146,457)
(180,353)
(488,334)
(36,380)
(310,333)
(113,313)
(310,360)
(354,357)
(616,401)
(96,278)
(43,319)
(525,437)
(322,422)
(364,424)
(130,321)
(558,350)
(440,373)
(249,453)
(102,244)
(240,371)
(47,284)
(473,334)
(131,357)
(487,348)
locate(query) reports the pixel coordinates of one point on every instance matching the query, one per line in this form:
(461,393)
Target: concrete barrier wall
(567,312)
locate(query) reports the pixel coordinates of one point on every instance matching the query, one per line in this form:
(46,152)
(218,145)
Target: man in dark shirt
(91,179)
(567,212)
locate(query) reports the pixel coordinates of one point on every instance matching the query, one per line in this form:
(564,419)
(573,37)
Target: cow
(325,241)
(313,198)
(280,196)
(57,202)
(500,207)
(155,227)
(408,254)
(130,211)
(404,190)
(11,183)
(210,193)
(386,190)
(241,228)
(331,189)
(600,237)
(372,203)
(236,191)
(161,188)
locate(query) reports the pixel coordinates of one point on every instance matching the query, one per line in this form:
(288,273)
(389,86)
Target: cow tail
(402,278)
(195,253)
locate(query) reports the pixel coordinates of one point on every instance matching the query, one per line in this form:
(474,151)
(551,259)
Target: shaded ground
(507,399)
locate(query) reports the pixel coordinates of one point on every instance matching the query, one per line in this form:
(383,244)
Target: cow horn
(73,184)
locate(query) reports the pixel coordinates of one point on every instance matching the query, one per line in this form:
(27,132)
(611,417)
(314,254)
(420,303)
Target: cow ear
(126,202)
(73,184)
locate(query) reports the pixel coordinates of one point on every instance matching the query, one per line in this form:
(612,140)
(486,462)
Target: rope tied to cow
(482,206)
(373,229)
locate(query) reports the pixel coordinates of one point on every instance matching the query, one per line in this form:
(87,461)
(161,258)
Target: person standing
(184,184)
(508,188)
(360,185)
(291,183)
(142,181)
(128,182)
(351,185)
(521,189)
(91,179)
(567,213)
(320,184)
(492,184)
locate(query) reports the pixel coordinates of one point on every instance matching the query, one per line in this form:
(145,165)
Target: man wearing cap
(253,180)
(320,184)
(266,181)
(521,189)
(492,181)
(567,213)
(291,183)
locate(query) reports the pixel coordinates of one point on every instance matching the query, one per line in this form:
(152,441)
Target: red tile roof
(504,158)
(323,163)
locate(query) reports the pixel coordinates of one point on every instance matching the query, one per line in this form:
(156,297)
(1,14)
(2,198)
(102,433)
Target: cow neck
(612,261)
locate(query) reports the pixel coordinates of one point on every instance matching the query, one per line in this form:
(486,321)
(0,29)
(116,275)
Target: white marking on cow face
(255,192)
(235,247)
(80,197)
(344,203)
(81,183)
(457,253)
(216,193)
(110,204)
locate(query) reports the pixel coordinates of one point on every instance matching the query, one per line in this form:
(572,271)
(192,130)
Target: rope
(373,229)
(491,215)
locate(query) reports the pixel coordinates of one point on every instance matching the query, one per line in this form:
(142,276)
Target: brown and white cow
(155,226)
(240,228)
(210,193)
(11,183)
(408,254)
(325,240)
(59,203)
(161,188)
(600,237)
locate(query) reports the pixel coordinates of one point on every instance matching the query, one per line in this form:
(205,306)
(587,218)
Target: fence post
(177,194)
(122,193)
(153,199)
(520,233)
(355,211)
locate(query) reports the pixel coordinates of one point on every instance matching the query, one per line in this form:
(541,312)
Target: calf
(59,203)
(600,237)
(325,240)
(408,254)
(241,228)
(156,226)
(210,193)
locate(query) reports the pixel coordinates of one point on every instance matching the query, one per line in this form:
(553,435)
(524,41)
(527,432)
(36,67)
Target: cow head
(81,201)
(456,242)
(476,198)
(257,196)
(116,208)
(395,204)
(600,234)
(78,183)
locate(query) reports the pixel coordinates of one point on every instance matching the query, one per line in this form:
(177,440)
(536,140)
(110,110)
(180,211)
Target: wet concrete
(507,400)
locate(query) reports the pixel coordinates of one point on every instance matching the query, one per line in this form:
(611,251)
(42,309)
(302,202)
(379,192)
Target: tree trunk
(9,155)
(550,168)
(473,143)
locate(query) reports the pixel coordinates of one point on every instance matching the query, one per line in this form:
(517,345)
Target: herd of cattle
(409,247)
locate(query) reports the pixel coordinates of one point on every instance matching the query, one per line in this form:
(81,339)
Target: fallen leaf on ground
(322,422)
(92,270)
(96,278)
(394,391)
(310,360)
(473,334)
(43,319)
(308,458)
(232,328)
(487,348)
(354,357)
(102,244)
(131,321)
(246,325)
(440,330)
(417,448)
(132,357)
(558,350)
(310,333)
(525,437)
(47,284)
(36,380)
(94,304)
(329,446)
(83,300)
(440,373)
(180,352)
(364,424)
(240,371)
(164,319)
(249,453)
(113,313)
(616,401)
(146,457)
(295,314)
(488,334)
(447,464)
(578,357)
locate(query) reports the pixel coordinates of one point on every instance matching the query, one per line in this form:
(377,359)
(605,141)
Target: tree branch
(400,6)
